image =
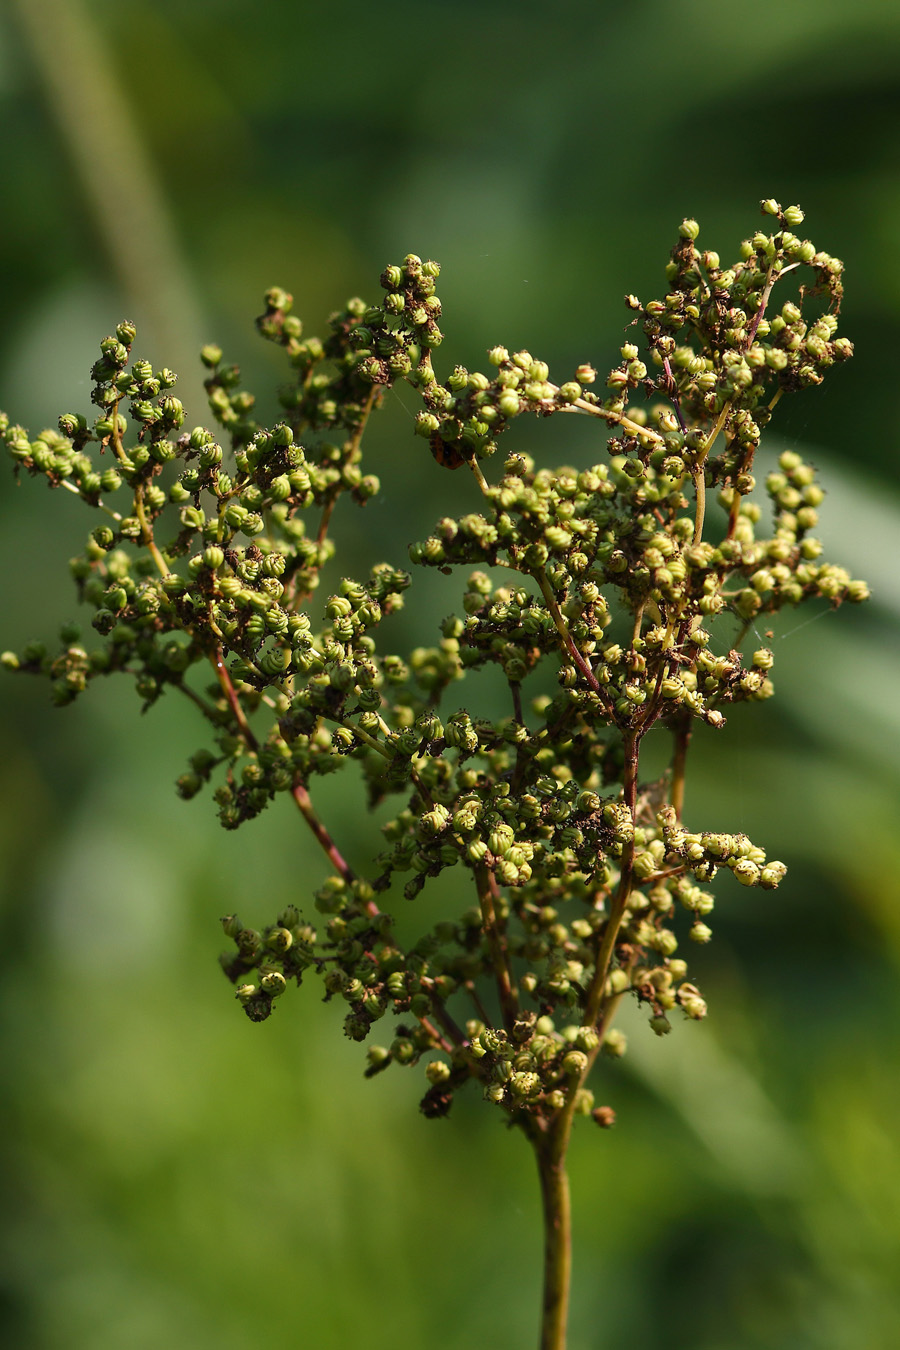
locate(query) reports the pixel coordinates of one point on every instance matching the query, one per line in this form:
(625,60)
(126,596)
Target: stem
(472,991)
(299,792)
(623,893)
(340,865)
(734,512)
(352,454)
(550,1151)
(698,473)
(682,740)
(551,1146)
(673,393)
(455,1033)
(499,956)
(208,712)
(562,629)
(479,476)
(439,1040)
(101,506)
(364,736)
(638,620)
(516,690)
(147,531)
(771,277)
(234,703)
(613,418)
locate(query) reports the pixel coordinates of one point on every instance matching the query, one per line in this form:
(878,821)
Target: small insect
(447,453)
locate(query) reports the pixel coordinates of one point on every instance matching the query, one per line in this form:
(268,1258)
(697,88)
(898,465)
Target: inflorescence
(618,577)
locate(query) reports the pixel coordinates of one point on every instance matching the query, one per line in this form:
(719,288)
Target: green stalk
(550,1151)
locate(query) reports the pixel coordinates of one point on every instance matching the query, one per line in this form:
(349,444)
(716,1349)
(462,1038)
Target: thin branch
(101,506)
(147,531)
(479,476)
(672,391)
(445,1045)
(496,946)
(482,1011)
(562,628)
(623,892)
(698,472)
(614,419)
(208,712)
(455,1032)
(341,866)
(234,703)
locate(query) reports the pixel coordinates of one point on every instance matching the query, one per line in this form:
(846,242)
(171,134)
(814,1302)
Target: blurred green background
(177,1176)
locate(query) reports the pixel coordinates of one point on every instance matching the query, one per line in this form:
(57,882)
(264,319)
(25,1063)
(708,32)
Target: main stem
(550,1151)
(551,1145)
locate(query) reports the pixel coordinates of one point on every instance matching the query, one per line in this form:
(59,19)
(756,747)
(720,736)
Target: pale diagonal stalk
(120,184)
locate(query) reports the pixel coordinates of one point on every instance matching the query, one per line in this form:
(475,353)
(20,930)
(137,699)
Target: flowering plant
(202,572)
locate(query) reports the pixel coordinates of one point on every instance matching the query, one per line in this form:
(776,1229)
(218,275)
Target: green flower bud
(426,424)
(379,1058)
(771,875)
(574,1063)
(587,1039)
(615,1043)
(403,1050)
(274,984)
(747,872)
(280,939)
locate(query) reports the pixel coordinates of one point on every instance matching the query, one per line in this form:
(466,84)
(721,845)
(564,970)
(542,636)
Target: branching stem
(234,703)
(698,472)
(631,747)
(496,944)
(563,629)
(147,530)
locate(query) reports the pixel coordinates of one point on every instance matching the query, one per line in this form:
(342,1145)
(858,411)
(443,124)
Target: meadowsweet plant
(634,580)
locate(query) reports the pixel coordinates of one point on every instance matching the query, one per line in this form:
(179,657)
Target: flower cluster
(619,578)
